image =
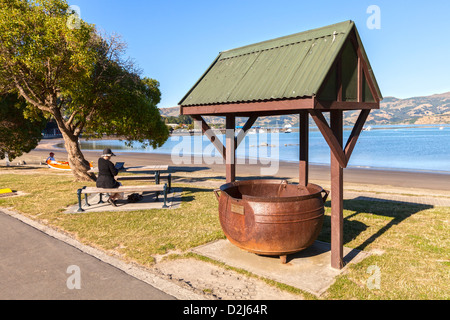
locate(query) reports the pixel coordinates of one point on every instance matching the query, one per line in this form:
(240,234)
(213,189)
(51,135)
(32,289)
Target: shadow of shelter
(397,210)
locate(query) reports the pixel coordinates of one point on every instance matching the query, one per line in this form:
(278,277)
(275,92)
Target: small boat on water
(62,165)
(287,128)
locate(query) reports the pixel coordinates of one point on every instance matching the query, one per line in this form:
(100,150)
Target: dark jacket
(106,174)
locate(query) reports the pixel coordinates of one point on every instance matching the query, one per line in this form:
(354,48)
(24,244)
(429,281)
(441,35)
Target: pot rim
(316,194)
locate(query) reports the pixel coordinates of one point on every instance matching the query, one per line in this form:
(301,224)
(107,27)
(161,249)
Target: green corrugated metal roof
(294,66)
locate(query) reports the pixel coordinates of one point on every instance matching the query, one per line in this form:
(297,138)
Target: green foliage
(20,127)
(128,108)
(181,119)
(39,52)
(76,75)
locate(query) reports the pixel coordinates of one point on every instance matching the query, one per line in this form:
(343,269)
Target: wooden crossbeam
(238,109)
(344,105)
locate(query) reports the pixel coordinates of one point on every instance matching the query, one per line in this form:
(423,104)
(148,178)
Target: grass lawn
(412,240)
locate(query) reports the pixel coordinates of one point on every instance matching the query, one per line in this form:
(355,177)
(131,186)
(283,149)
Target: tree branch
(25,74)
(28,98)
(72,117)
(79,129)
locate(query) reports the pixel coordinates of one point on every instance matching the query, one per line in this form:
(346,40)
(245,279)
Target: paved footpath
(34,265)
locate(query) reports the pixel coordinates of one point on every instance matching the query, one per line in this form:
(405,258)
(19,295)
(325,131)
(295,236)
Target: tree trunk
(79,165)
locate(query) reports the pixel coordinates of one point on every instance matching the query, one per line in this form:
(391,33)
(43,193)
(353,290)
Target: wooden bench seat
(123,189)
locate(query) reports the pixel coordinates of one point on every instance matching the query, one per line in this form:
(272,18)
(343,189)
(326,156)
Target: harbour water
(423,148)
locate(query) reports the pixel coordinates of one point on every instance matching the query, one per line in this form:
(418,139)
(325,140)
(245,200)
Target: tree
(77,76)
(181,119)
(20,131)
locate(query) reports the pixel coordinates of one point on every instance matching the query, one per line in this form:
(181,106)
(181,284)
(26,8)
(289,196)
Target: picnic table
(154,169)
(92,190)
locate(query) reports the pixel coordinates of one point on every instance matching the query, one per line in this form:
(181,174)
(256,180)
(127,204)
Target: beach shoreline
(287,170)
(52,146)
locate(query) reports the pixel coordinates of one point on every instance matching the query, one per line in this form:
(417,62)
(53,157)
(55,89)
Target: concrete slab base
(147,203)
(217,283)
(308,270)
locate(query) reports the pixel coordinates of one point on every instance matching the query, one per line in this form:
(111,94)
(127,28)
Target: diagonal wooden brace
(343,156)
(211,136)
(248,125)
(353,139)
(329,136)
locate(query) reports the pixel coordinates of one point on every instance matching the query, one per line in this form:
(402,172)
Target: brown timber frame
(304,107)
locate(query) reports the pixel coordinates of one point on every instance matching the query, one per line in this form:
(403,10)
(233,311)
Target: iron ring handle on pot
(325,197)
(217,194)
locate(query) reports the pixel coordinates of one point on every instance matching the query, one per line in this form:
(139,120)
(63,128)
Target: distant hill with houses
(434,109)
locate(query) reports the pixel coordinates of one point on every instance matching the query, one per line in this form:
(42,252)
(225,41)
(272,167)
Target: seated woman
(106,173)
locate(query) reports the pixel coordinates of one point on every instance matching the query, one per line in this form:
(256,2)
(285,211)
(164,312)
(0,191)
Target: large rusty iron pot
(271,217)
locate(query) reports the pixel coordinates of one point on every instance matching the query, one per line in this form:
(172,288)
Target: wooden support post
(304,149)
(337,196)
(230,149)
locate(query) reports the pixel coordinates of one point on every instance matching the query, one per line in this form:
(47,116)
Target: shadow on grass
(175,169)
(21,168)
(199,179)
(190,193)
(396,210)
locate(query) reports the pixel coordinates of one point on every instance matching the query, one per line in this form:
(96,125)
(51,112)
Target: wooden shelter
(320,71)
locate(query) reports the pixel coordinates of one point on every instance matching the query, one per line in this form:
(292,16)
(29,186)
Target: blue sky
(174,41)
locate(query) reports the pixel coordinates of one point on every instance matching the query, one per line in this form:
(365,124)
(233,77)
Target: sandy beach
(287,170)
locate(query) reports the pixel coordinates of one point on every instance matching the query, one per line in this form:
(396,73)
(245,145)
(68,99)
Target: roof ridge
(276,47)
(261,46)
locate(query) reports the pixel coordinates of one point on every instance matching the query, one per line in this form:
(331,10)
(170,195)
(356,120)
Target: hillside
(434,109)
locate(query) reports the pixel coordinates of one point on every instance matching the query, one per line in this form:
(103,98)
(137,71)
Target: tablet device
(119,165)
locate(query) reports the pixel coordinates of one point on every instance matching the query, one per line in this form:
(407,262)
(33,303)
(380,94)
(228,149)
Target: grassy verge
(136,235)
(413,242)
